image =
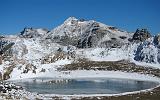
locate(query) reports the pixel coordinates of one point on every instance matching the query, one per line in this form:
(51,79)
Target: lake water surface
(87,86)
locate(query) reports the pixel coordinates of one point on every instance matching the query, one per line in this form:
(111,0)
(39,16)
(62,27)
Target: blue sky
(124,14)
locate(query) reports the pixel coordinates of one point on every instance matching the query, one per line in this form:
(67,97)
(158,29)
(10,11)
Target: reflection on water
(87,86)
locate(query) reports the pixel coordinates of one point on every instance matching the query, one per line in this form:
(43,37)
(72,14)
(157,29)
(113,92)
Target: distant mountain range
(79,38)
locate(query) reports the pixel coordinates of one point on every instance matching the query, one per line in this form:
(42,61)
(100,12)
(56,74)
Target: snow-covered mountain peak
(70,20)
(87,33)
(33,32)
(36,50)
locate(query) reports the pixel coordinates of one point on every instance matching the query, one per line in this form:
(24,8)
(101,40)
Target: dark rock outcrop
(1,37)
(141,35)
(157,40)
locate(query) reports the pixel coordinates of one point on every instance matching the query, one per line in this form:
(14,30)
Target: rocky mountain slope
(38,51)
(83,34)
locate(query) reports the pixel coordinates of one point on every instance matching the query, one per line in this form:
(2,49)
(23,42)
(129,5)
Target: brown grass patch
(123,66)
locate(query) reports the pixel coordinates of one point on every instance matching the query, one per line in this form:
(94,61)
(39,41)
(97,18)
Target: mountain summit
(82,33)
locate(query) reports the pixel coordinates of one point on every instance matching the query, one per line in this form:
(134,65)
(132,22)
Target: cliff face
(157,39)
(141,35)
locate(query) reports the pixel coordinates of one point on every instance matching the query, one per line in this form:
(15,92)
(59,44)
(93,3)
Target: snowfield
(82,74)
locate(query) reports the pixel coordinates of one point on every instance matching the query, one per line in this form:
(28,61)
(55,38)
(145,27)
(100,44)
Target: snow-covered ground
(114,54)
(103,54)
(82,74)
(93,54)
(52,72)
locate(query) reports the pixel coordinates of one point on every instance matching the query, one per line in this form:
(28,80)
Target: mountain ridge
(73,41)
